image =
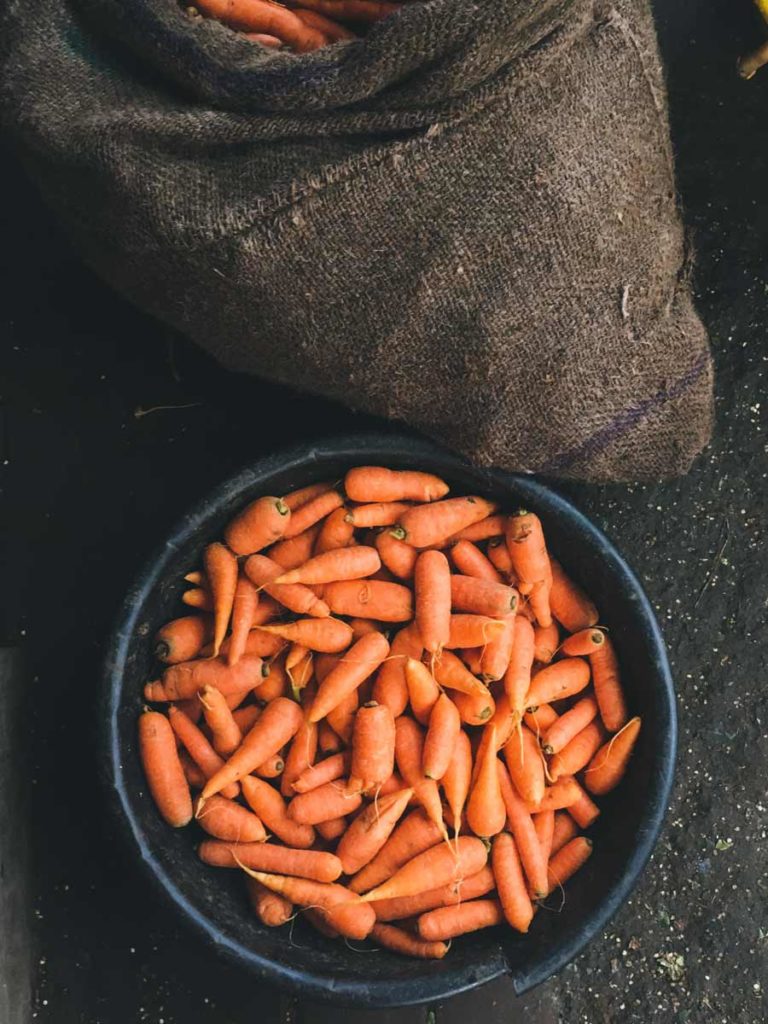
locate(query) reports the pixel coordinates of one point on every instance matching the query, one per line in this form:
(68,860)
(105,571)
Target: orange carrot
(400,941)
(318,922)
(561,794)
(504,720)
(182,639)
(323,804)
(413,836)
(498,652)
(374,599)
(577,754)
(256,642)
(409,754)
(498,556)
(392,784)
(333,829)
(246,717)
(338,906)
(570,605)
(474,708)
(375,483)
(335,533)
(530,560)
(608,690)
(226,819)
(314,864)
(324,665)
(300,673)
(441,738)
(426,525)
(362,626)
(472,563)
(561,679)
(221,572)
(341,718)
(295,596)
(359,662)
(196,577)
(432,587)
(457,778)
(381,513)
(226,734)
(334,767)
(390,687)
(522,827)
(198,748)
(270,908)
(278,723)
(480,884)
(584,811)
(545,642)
(296,550)
(300,756)
(586,641)
(369,831)
(262,522)
(484,529)
(423,691)
(451,673)
(525,764)
(327,739)
(510,883)
(271,768)
(245,603)
(540,719)
(544,823)
(395,554)
(312,512)
(329,634)
(197,597)
(338,564)
(472,658)
(276,683)
(607,767)
(373,748)
(568,725)
(486,812)
(265,801)
(482,596)
(437,866)
(448,922)
(565,829)
(473,630)
(163,770)
(567,861)
(295,499)
(192,773)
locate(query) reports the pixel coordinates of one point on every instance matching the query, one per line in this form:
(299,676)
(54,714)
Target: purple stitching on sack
(626,420)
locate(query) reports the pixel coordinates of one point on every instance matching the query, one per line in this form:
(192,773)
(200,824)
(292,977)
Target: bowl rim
(412,991)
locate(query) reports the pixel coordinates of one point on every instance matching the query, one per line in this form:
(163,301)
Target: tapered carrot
(324,665)
(272,768)
(295,596)
(296,550)
(473,630)
(279,722)
(498,556)
(192,772)
(561,679)
(567,861)
(451,673)
(504,720)
(545,642)
(607,767)
(528,552)
(300,757)
(324,803)
(432,588)
(338,906)
(276,683)
(359,662)
(314,864)
(413,836)
(457,779)
(570,605)
(328,634)
(497,653)
(331,768)
(226,819)
(221,572)
(544,823)
(423,691)
(390,687)
(244,605)
(471,562)
(565,829)
(333,829)
(586,641)
(197,577)
(341,718)
(335,533)
(525,764)
(584,811)
(522,827)
(426,525)
(539,719)
(261,523)
(369,831)
(256,642)
(197,597)
(474,708)
(295,499)
(409,754)
(375,483)
(480,884)
(374,599)
(395,554)
(300,672)
(561,794)
(199,749)
(246,717)
(482,596)
(441,737)
(271,909)
(327,739)
(182,639)
(265,801)
(373,748)
(437,866)
(349,563)
(568,725)
(312,512)
(608,689)
(401,941)
(226,734)
(381,513)
(484,529)
(486,812)
(510,883)
(578,753)
(447,922)
(163,770)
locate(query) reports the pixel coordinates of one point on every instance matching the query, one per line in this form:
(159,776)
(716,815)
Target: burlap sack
(466,221)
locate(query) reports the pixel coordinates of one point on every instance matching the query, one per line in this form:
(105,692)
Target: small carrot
(272,768)
(497,654)
(295,499)
(474,708)
(276,683)
(246,717)
(440,740)
(337,905)
(182,639)
(226,734)
(261,523)
(525,764)
(368,484)
(380,513)
(395,554)
(409,754)
(472,658)
(295,596)
(486,813)
(296,550)
(565,829)
(568,725)
(522,827)
(362,626)
(450,672)
(426,525)
(448,922)
(373,748)
(359,662)
(329,634)
(163,770)
(199,749)
(338,564)
(327,739)
(472,563)
(482,596)
(561,679)
(436,866)
(473,630)
(528,554)
(266,802)
(607,767)
(570,605)
(226,819)
(401,941)
(561,794)
(334,767)
(333,829)
(221,572)
(457,779)
(369,831)
(391,687)
(423,691)
(270,908)
(324,803)
(300,673)
(341,718)
(608,689)
(335,534)
(545,642)
(412,836)
(244,605)
(198,597)
(586,641)
(567,861)
(256,642)
(539,719)
(196,577)
(584,811)
(578,753)
(312,512)
(510,883)
(504,720)
(192,773)
(484,529)
(314,864)
(480,884)
(374,599)
(544,823)
(498,556)
(300,756)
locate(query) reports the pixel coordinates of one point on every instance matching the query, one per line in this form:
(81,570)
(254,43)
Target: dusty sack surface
(466,221)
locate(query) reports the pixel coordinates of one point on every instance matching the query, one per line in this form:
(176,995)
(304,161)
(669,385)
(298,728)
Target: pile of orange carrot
(390,709)
(298,25)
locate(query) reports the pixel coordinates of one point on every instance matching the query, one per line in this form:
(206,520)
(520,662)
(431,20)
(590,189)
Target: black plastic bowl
(310,965)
